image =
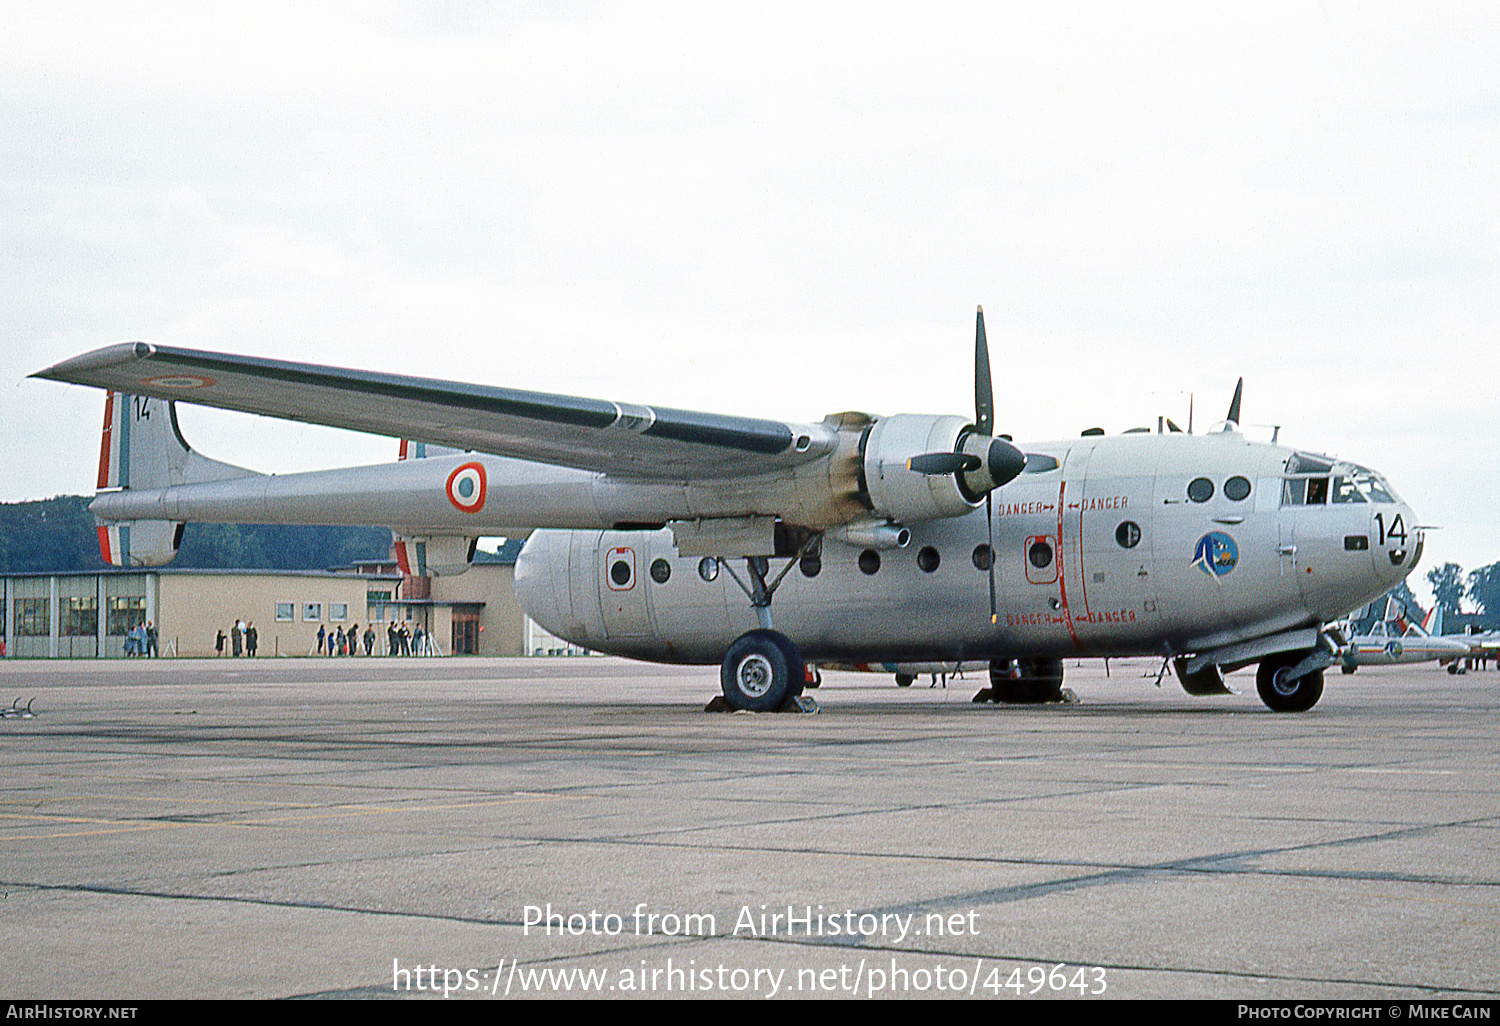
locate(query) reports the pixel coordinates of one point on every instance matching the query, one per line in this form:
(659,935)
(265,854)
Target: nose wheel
(1281,691)
(761,671)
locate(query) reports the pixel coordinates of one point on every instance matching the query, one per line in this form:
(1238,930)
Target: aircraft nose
(1400,544)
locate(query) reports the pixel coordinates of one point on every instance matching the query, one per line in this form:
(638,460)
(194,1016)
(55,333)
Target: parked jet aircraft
(665,534)
(1395,640)
(1482,646)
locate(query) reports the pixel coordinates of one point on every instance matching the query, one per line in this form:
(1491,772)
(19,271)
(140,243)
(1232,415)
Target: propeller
(1234,404)
(980,463)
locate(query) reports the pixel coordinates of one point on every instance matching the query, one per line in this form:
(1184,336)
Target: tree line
(58,536)
(1450,585)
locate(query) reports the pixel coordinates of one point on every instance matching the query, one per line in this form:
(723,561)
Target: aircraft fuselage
(1131,544)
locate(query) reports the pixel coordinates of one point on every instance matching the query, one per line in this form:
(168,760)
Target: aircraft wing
(590,434)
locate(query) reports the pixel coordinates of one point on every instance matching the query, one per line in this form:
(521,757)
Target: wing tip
(99,359)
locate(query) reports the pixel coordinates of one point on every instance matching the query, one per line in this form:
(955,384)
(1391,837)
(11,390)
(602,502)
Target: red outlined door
(622,594)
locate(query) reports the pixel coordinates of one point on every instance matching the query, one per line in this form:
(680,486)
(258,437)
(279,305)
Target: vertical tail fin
(142,448)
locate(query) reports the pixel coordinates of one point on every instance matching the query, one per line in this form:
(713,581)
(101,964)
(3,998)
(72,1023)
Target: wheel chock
(793,704)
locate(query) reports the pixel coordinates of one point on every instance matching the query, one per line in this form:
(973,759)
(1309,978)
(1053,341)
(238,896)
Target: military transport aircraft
(684,537)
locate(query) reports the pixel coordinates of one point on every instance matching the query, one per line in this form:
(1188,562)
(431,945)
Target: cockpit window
(1349,483)
(1372,485)
(1301,463)
(1344,490)
(1036,463)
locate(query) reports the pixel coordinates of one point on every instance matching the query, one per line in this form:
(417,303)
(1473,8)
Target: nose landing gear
(1284,691)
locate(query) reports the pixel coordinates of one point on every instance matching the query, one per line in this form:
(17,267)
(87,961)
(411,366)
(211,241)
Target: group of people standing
(141,640)
(243,639)
(401,639)
(339,642)
(405,639)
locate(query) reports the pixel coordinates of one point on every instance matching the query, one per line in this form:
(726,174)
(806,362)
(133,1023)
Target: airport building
(90,615)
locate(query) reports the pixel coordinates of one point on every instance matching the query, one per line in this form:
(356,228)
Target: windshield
(1315,480)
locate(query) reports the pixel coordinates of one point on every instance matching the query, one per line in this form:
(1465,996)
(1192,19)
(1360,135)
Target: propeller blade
(1234,404)
(984,392)
(989,521)
(944,463)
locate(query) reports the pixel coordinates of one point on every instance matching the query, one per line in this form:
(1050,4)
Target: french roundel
(466,487)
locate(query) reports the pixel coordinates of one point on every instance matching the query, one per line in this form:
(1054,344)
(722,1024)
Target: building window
(286,612)
(338,612)
(80,617)
(32,620)
(312,611)
(122,613)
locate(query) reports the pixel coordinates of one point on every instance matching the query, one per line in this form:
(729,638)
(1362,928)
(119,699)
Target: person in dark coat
(252,638)
(219,643)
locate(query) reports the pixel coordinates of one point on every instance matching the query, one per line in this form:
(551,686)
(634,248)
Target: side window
(1317,491)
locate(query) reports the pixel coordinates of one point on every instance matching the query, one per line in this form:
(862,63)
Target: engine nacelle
(902,494)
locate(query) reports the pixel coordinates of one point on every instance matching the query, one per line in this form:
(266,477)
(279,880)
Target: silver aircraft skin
(684,537)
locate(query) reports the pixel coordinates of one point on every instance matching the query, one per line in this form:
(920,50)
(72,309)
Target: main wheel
(1037,681)
(761,670)
(905,680)
(1281,694)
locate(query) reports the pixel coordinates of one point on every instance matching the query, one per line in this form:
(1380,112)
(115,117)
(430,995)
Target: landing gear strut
(763,670)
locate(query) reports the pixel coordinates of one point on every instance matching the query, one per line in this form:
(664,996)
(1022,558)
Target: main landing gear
(763,671)
(1024,682)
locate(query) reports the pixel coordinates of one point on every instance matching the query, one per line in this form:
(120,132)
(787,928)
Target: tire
(905,680)
(1299,695)
(796,666)
(761,670)
(1039,681)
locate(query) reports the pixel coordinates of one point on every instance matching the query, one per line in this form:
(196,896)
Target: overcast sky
(776,211)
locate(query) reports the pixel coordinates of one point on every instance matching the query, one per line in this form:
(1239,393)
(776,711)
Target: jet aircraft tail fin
(143,449)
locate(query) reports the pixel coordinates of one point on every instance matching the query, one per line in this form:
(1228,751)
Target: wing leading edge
(590,434)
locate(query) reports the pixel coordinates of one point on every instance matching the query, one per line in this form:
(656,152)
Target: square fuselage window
(312,611)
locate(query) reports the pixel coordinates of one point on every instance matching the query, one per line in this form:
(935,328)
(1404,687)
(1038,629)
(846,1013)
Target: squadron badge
(1216,554)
